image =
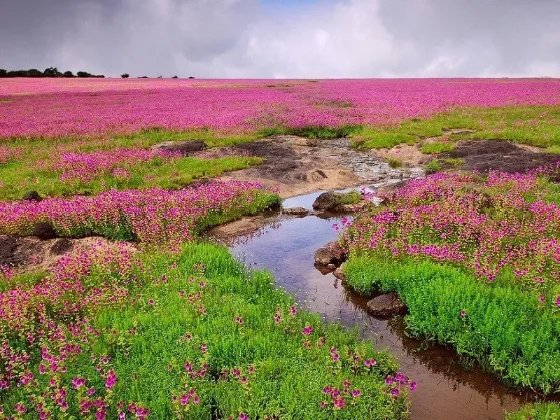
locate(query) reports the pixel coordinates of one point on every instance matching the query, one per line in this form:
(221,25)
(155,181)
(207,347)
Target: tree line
(49,72)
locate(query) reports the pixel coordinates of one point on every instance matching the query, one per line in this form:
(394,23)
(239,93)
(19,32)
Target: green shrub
(502,327)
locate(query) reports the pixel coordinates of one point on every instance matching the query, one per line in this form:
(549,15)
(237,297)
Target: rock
(386,305)
(295,211)
(32,196)
(44,230)
(61,246)
(332,253)
(339,274)
(327,201)
(323,269)
(186,148)
(334,201)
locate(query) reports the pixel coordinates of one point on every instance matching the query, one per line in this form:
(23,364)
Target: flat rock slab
(186,148)
(295,211)
(386,305)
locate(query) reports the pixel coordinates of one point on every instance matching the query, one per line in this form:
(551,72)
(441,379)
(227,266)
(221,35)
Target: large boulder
(386,305)
(186,148)
(334,201)
(332,253)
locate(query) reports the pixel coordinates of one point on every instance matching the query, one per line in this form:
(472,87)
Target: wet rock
(295,211)
(334,201)
(44,230)
(386,305)
(32,196)
(332,253)
(327,201)
(339,274)
(186,148)
(323,269)
(61,246)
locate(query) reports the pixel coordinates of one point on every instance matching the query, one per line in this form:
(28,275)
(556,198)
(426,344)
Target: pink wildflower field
(65,107)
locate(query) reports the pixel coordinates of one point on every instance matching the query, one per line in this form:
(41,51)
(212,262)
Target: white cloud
(247,38)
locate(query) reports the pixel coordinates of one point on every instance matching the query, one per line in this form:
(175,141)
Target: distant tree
(174,77)
(191,77)
(52,72)
(49,72)
(160,77)
(143,77)
(34,73)
(125,75)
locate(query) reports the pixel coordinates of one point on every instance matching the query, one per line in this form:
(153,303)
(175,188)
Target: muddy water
(447,389)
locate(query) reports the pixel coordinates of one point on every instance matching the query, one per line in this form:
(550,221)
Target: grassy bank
(477,262)
(534,125)
(189,335)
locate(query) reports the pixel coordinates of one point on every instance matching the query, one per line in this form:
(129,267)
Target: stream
(447,389)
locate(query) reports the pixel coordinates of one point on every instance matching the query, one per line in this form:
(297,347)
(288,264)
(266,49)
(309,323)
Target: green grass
(23,176)
(433,166)
(532,125)
(289,375)
(351,197)
(436,147)
(539,411)
(311,132)
(394,162)
(503,327)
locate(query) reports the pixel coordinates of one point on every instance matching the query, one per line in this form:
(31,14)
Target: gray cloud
(250,38)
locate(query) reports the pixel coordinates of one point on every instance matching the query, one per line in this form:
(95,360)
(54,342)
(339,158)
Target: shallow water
(446,389)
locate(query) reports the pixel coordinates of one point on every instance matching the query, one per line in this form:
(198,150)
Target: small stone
(386,305)
(32,196)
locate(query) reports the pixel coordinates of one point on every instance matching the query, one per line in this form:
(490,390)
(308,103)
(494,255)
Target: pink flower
(307,330)
(338,403)
(111,380)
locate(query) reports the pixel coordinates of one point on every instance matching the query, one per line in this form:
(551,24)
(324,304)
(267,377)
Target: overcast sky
(284,38)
